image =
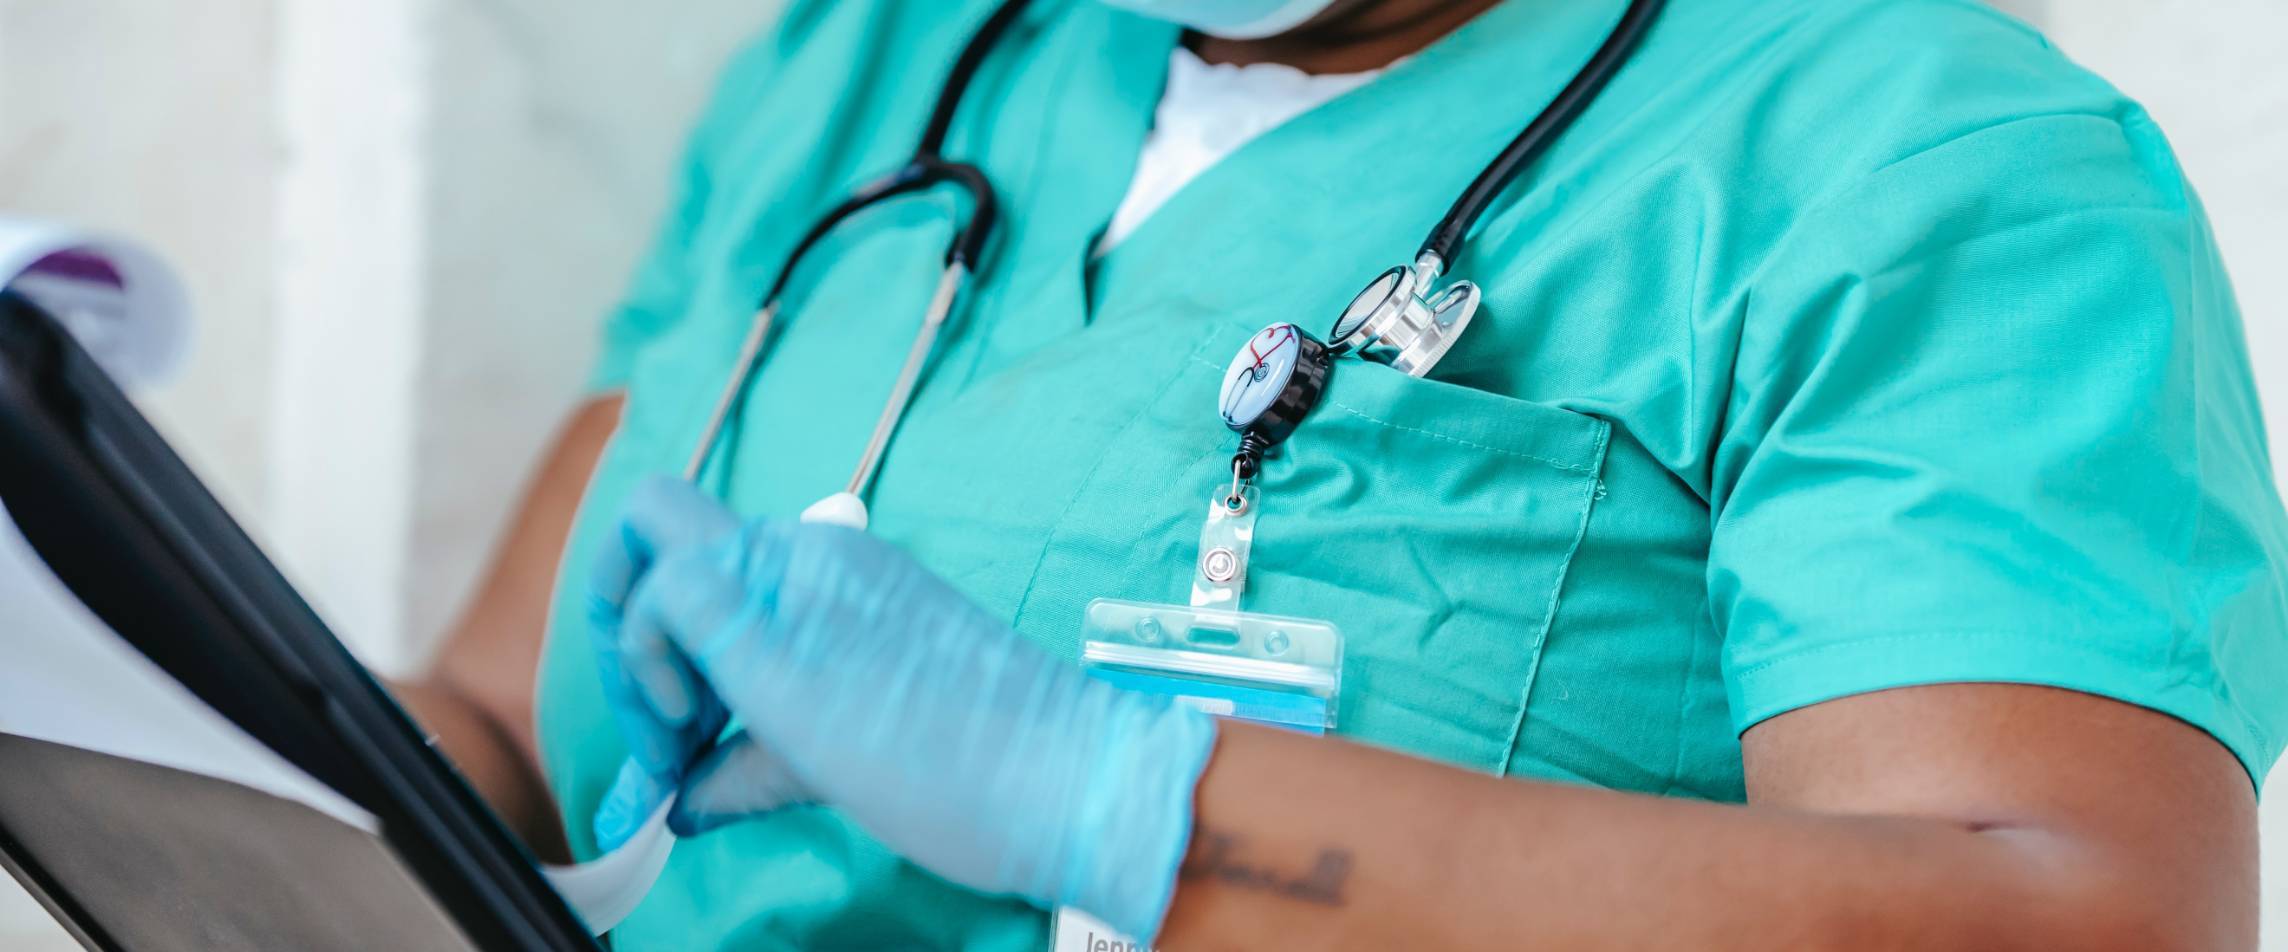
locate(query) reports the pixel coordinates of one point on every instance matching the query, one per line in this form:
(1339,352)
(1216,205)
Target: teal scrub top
(1843,345)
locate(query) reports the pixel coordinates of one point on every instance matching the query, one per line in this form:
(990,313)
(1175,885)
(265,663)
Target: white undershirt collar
(1206,113)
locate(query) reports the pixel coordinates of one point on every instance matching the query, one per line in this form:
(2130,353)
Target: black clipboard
(127,527)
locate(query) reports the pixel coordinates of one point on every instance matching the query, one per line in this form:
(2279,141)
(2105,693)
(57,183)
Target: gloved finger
(716,601)
(662,513)
(661,745)
(737,780)
(651,741)
(667,750)
(634,796)
(659,672)
(690,586)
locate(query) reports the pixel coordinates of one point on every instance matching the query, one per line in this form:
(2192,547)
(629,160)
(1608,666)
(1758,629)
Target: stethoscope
(1401,318)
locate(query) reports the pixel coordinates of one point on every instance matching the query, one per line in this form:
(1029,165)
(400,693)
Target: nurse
(1847,523)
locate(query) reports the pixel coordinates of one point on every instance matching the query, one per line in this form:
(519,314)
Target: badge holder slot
(1271,669)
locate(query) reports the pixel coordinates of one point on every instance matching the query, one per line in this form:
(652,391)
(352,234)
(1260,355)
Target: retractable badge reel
(1271,669)
(1276,669)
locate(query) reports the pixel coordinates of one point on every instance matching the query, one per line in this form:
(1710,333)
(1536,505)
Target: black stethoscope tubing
(1446,238)
(928,168)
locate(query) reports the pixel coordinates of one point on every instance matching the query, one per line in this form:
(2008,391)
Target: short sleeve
(1993,420)
(660,291)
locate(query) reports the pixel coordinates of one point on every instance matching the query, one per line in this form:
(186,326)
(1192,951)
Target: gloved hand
(865,682)
(677,719)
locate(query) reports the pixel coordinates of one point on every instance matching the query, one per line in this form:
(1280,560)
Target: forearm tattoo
(1214,857)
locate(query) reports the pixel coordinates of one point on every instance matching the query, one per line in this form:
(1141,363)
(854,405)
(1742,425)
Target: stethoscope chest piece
(1397,321)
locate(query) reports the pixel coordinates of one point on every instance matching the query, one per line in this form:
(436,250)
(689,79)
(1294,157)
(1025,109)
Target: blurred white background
(401,220)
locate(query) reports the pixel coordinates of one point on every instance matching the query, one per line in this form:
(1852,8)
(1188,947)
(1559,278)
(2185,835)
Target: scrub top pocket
(1432,523)
(1435,524)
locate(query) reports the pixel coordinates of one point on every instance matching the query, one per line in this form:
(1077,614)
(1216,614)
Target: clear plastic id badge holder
(1285,672)
(1269,669)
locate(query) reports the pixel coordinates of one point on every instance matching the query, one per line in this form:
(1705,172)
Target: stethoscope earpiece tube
(1445,239)
(1402,317)
(965,66)
(984,214)
(927,169)
(1279,377)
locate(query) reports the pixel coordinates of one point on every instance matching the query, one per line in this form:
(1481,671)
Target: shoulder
(1851,87)
(1909,51)
(1937,68)
(1827,121)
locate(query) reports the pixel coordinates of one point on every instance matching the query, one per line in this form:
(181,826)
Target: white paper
(67,679)
(121,301)
(605,889)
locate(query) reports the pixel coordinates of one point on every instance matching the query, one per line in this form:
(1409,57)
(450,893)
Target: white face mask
(1230,19)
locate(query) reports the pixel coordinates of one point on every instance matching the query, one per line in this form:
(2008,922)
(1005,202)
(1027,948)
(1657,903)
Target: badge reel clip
(1269,669)
(1272,669)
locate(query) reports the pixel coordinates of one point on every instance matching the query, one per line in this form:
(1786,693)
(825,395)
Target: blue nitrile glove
(934,726)
(669,723)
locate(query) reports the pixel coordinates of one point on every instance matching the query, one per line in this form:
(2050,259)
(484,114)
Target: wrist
(1135,818)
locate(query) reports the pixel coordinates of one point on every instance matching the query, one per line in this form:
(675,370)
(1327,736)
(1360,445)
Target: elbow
(2141,924)
(2052,907)
(2112,931)
(2137,910)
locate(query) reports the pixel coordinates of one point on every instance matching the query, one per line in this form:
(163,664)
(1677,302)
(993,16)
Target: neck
(1350,37)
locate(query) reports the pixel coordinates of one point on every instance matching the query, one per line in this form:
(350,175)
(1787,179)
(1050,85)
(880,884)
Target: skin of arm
(1973,816)
(476,697)
(1946,817)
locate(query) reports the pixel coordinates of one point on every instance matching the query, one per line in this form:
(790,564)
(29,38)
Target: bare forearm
(1307,843)
(476,700)
(490,759)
